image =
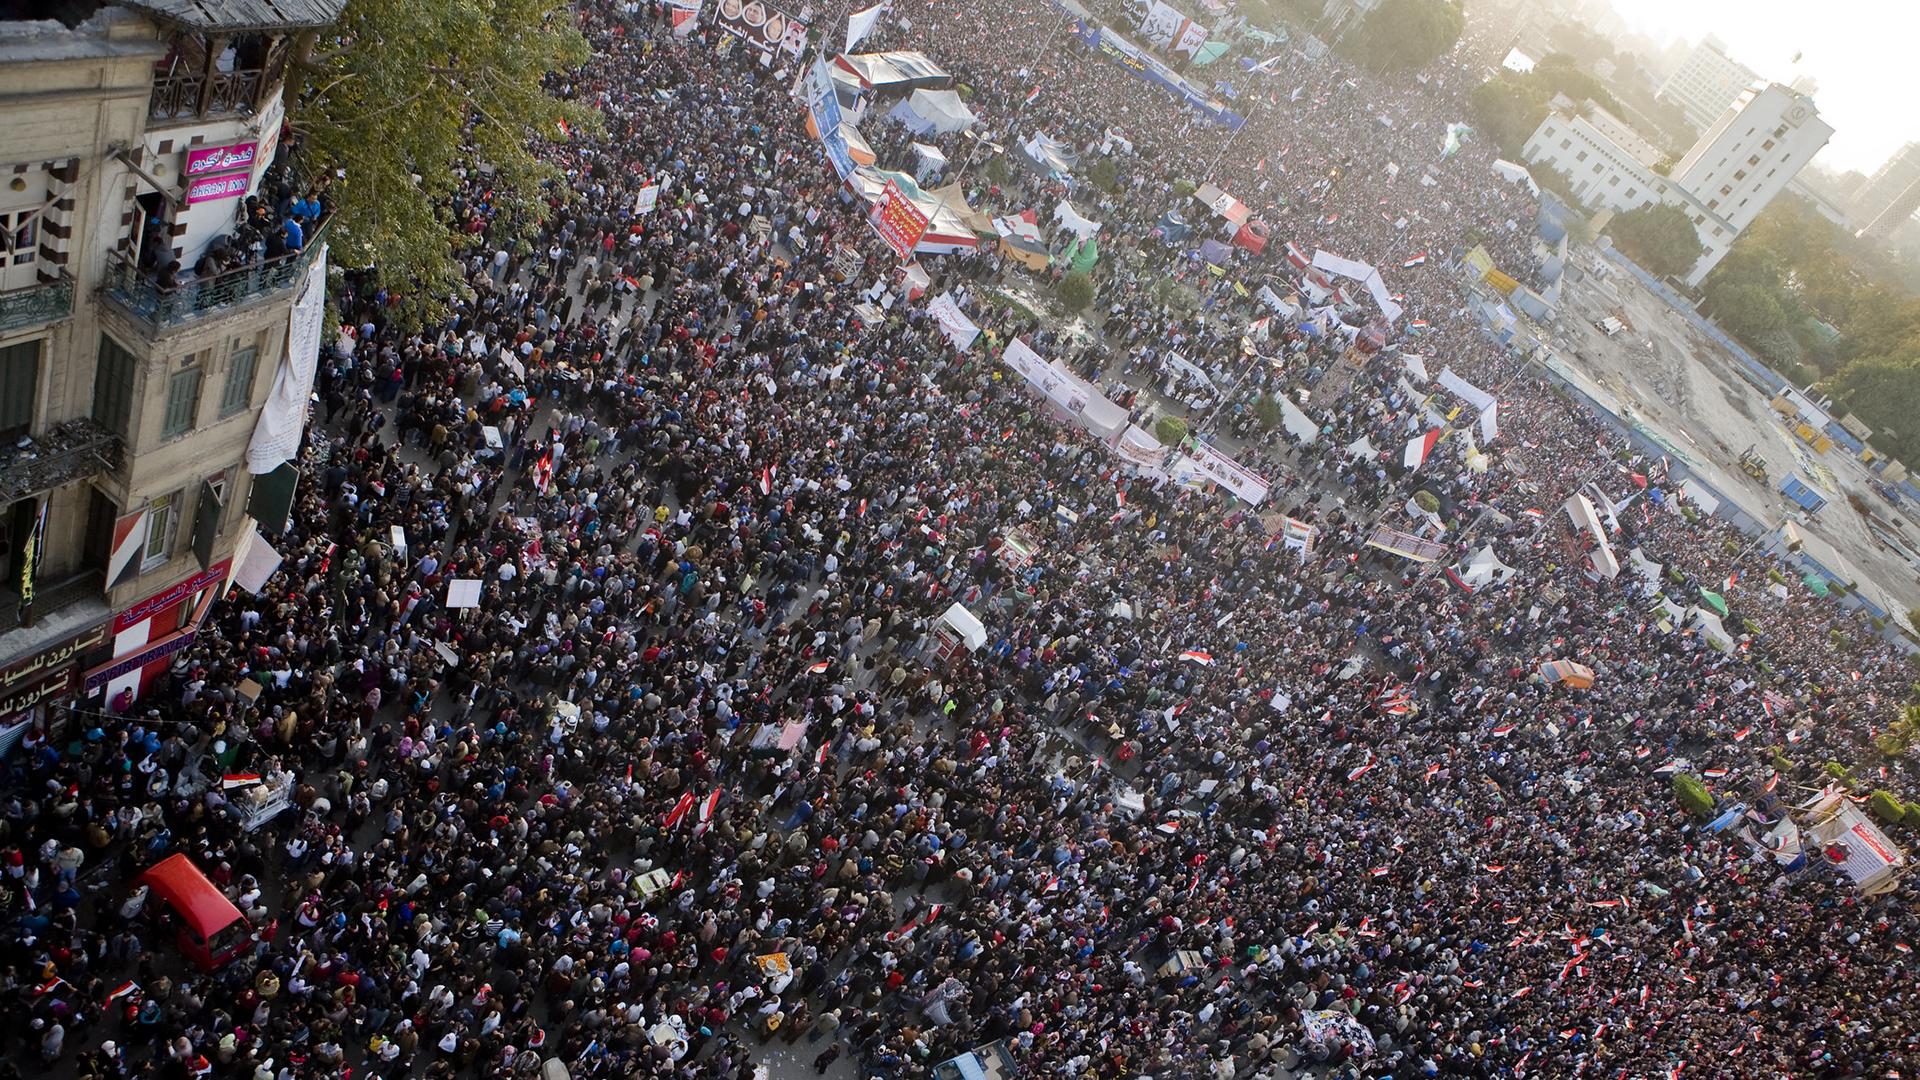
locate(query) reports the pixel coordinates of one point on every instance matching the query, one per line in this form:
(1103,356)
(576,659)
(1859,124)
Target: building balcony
(181,98)
(48,301)
(141,296)
(73,451)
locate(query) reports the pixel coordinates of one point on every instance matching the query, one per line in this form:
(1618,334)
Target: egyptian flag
(543,470)
(820,667)
(709,804)
(1418,449)
(123,990)
(766,479)
(1198,657)
(1503,731)
(1034,93)
(1417,260)
(234,780)
(680,809)
(1362,770)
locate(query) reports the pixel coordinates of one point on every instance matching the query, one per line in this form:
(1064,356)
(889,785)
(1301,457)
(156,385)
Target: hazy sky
(1860,51)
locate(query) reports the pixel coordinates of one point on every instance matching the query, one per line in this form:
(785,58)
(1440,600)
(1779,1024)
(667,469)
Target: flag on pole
(680,809)
(860,23)
(1198,657)
(709,804)
(1419,448)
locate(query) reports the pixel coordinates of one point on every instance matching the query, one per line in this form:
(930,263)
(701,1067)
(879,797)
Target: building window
(160,519)
(1768,145)
(113,386)
(19,237)
(19,380)
(1597,169)
(183,398)
(239,392)
(1740,174)
(1726,189)
(1713,204)
(1581,156)
(1699,219)
(1566,144)
(1754,160)
(1613,181)
(1631,192)
(1550,133)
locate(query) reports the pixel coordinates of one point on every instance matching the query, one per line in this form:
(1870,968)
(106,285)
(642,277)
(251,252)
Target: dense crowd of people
(1199,791)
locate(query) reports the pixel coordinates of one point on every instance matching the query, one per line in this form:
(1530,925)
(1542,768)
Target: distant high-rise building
(1758,144)
(1883,225)
(1887,183)
(1805,84)
(1706,83)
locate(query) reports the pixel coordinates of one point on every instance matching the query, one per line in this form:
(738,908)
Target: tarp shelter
(1587,519)
(1714,600)
(1363,448)
(894,72)
(1252,236)
(1644,566)
(1025,252)
(1047,156)
(1578,676)
(1301,426)
(857,145)
(1172,227)
(933,111)
(955,199)
(1070,220)
(1364,274)
(212,929)
(1215,252)
(1221,203)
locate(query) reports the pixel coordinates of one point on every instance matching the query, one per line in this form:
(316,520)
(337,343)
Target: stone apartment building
(133,372)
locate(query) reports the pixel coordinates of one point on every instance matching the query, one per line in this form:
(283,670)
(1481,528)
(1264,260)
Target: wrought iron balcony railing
(142,296)
(49,301)
(73,451)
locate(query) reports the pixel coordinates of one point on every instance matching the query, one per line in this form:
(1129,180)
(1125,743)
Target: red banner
(898,221)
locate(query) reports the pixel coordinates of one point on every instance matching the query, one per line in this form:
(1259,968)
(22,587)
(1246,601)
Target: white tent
(1646,567)
(1586,518)
(971,631)
(1363,448)
(1515,174)
(1298,424)
(929,155)
(1709,626)
(1485,567)
(928,111)
(1070,220)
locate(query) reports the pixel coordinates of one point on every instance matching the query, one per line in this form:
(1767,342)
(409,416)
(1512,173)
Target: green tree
(1659,237)
(1511,104)
(998,170)
(1401,34)
(399,94)
(1075,291)
(1748,312)
(1692,795)
(1267,411)
(1170,430)
(1105,175)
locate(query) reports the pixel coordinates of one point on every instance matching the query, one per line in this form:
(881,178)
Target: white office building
(1706,83)
(1746,156)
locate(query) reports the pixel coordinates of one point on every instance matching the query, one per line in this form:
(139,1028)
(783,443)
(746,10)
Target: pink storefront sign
(218,159)
(217,187)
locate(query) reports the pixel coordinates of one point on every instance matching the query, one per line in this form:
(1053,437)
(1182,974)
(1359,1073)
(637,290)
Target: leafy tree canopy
(1659,237)
(1401,34)
(399,94)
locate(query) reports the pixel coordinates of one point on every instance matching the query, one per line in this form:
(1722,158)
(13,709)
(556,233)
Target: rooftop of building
(211,16)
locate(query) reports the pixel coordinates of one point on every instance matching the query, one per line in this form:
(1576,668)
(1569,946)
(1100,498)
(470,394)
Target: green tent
(1714,600)
(1088,254)
(1211,51)
(1816,583)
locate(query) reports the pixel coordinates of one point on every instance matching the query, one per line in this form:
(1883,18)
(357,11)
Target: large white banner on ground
(954,323)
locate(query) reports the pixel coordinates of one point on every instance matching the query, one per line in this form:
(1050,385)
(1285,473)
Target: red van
(212,930)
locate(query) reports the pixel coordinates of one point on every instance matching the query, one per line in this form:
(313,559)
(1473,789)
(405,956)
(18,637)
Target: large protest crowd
(1198,791)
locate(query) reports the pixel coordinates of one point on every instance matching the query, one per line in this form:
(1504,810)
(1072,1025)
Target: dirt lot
(1685,389)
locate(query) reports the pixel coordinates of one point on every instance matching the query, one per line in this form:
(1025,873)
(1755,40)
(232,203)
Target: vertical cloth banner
(276,437)
(954,323)
(898,221)
(861,23)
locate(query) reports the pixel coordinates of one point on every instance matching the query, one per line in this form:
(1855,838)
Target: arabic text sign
(954,323)
(898,221)
(1405,544)
(764,27)
(207,160)
(1230,474)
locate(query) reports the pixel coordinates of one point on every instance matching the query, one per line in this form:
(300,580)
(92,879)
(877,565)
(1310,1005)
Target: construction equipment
(1753,464)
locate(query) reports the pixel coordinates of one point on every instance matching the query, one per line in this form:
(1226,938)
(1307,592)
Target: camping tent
(1222,203)
(930,158)
(1850,841)
(1578,676)
(954,198)
(946,231)
(1172,227)
(1708,625)
(927,111)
